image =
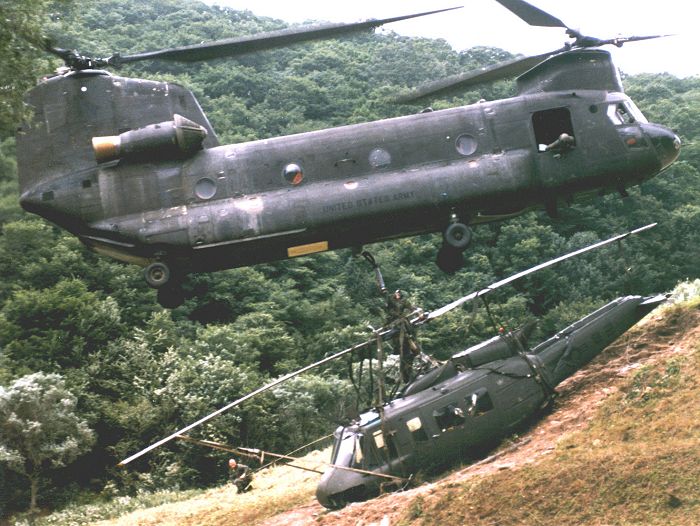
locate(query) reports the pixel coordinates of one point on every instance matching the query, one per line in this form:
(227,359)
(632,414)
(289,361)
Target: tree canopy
(40,428)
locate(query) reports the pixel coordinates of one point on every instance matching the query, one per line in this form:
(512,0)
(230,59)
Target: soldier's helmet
(232,463)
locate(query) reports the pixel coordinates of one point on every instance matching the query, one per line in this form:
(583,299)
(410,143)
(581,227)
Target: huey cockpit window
(359,453)
(344,450)
(551,126)
(385,446)
(293,174)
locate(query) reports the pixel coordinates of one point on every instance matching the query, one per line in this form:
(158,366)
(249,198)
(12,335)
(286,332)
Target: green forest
(86,333)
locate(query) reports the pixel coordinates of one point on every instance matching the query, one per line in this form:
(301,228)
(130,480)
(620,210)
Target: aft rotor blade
(447,308)
(244,398)
(531,14)
(262,41)
(502,70)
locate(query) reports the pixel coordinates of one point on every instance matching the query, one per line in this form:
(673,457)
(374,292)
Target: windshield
(348,451)
(625,112)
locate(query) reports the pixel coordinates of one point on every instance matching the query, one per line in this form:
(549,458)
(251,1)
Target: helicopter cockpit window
(344,453)
(624,112)
(618,114)
(359,455)
(293,174)
(415,426)
(391,444)
(550,125)
(337,435)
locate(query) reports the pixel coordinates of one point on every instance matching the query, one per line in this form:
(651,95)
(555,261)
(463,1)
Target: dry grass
(274,490)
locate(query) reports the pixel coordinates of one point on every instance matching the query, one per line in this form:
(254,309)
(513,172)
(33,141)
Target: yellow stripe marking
(302,250)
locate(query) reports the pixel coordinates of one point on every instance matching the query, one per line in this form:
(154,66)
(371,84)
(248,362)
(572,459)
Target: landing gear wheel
(157,274)
(457,236)
(449,260)
(171,296)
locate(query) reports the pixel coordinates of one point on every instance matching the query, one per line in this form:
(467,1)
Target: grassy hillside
(621,447)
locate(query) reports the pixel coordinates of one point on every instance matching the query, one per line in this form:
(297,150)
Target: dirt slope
(657,339)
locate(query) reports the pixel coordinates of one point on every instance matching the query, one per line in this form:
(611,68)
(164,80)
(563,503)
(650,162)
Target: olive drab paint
(469,402)
(134,169)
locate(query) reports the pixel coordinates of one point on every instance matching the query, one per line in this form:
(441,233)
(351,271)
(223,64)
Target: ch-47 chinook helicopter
(450,410)
(133,168)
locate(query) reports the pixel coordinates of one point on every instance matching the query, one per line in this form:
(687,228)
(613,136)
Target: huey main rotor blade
(243,399)
(439,312)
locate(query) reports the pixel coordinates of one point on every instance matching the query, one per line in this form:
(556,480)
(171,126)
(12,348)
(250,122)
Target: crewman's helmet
(232,463)
(398,293)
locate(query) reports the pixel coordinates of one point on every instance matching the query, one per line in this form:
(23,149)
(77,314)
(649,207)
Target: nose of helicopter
(666,143)
(339,487)
(324,492)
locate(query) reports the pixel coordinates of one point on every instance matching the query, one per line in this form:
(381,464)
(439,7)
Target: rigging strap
(517,344)
(494,322)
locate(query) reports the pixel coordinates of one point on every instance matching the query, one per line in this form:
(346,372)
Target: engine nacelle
(174,139)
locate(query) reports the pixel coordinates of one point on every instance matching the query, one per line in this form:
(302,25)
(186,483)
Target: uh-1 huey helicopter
(453,409)
(133,168)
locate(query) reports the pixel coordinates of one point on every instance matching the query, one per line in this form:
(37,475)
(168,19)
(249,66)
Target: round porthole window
(379,157)
(292,174)
(466,144)
(205,188)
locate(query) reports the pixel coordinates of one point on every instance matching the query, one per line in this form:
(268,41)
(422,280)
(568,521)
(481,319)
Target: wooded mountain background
(139,372)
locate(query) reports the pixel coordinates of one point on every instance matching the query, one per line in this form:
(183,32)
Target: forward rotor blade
(531,14)
(447,308)
(262,41)
(502,70)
